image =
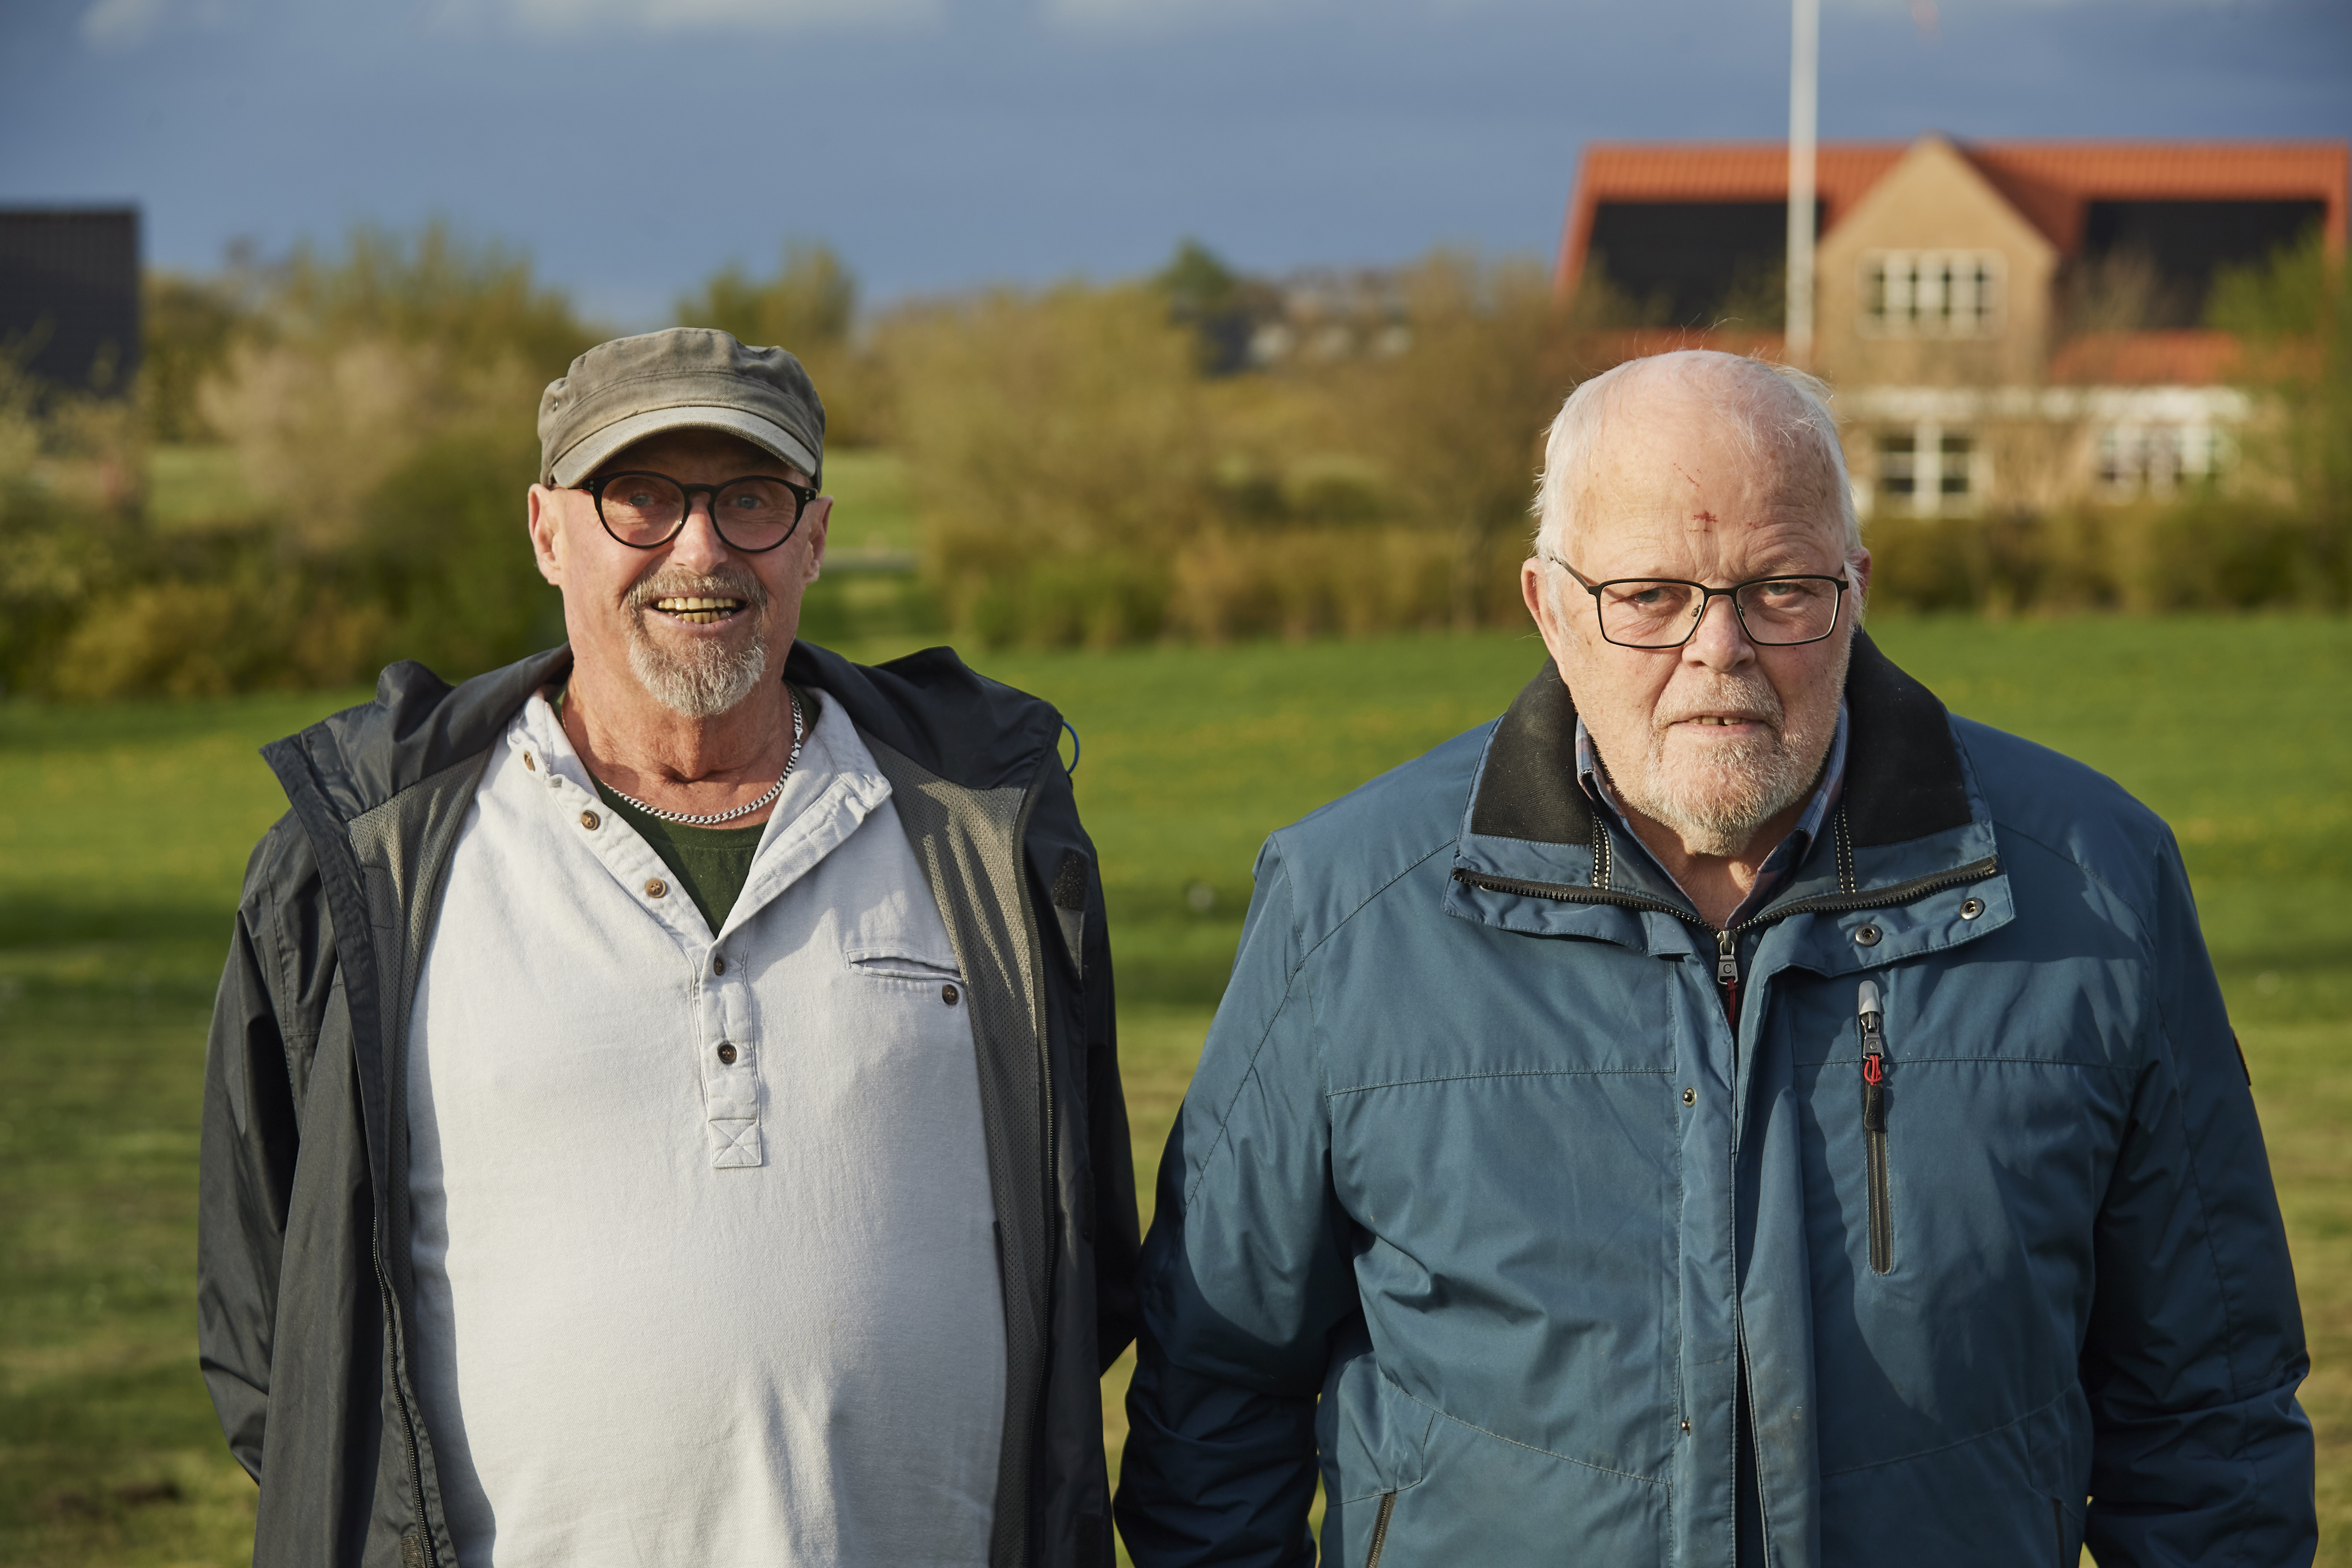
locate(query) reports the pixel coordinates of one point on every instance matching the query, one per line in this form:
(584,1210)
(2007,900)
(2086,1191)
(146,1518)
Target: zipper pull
(1874,1056)
(1727,975)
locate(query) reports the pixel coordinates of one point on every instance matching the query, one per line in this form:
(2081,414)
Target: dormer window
(1932,294)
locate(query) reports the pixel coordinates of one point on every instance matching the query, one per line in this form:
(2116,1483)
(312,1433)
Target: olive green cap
(684,378)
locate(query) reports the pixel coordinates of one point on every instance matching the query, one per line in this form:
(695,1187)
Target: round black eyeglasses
(1663,611)
(646,510)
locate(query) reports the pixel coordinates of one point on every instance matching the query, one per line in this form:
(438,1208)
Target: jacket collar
(419,725)
(967,729)
(1904,779)
(1909,814)
(937,710)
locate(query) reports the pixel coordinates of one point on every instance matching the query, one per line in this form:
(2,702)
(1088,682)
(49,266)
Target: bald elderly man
(1725,1110)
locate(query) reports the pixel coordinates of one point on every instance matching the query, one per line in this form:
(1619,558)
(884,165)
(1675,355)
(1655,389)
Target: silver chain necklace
(684,819)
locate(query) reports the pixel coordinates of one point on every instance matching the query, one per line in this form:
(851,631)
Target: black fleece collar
(1903,777)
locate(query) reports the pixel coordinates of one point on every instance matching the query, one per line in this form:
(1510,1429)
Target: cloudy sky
(632,145)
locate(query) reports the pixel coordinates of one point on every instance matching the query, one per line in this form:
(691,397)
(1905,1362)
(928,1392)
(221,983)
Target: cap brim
(591,451)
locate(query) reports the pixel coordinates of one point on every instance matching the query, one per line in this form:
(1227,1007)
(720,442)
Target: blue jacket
(1480,1201)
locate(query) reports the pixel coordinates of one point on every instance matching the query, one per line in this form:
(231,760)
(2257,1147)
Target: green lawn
(124,831)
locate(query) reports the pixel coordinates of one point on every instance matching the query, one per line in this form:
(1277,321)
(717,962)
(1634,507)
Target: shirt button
(656,888)
(1971,908)
(948,995)
(717,963)
(1867,936)
(1690,1097)
(591,821)
(528,763)
(726,1054)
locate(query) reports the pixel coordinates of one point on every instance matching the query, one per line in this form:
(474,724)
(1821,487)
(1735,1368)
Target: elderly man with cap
(662,1104)
(1727,1110)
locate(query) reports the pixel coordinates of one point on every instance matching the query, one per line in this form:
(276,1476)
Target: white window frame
(1931,468)
(2130,458)
(1933,293)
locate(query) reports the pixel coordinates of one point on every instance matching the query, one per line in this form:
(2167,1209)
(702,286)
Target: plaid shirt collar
(1786,856)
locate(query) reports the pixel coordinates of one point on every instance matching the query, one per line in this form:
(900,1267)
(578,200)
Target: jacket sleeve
(2201,1454)
(247,1173)
(1116,1243)
(1245,1274)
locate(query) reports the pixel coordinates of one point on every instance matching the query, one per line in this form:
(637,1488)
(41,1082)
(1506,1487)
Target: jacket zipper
(1874,1124)
(1828,904)
(1727,976)
(1726,941)
(408,1416)
(1381,1529)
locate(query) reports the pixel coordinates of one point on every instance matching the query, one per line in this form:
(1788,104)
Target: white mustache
(1748,706)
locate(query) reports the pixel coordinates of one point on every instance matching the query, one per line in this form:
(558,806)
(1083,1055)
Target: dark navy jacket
(1481,1201)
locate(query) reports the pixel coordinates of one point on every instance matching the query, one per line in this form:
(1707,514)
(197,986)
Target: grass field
(124,831)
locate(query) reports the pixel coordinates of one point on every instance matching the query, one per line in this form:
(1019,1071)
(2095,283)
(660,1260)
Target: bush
(2210,551)
(69,518)
(1100,601)
(446,555)
(1309,582)
(179,639)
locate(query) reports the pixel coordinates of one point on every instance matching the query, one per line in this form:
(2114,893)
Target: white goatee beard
(709,678)
(701,685)
(1715,803)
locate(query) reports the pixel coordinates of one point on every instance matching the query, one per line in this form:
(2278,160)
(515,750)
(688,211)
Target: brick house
(2007,324)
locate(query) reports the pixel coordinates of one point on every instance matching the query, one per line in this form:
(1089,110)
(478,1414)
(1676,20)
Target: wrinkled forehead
(1675,466)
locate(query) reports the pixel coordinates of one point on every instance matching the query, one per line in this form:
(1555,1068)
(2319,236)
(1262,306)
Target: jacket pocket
(1381,1531)
(1871,1016)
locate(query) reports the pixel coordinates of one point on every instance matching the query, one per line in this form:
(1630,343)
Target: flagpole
(1804,92)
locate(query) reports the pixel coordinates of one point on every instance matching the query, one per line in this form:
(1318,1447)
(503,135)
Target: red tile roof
(2189,358)
(1712,172)
(2048,181)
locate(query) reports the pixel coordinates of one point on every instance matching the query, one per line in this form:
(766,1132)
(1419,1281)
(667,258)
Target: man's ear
(541,510)
(1857,566)
(815,524)
(1541,606)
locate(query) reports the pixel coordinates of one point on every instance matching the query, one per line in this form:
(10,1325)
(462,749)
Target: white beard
(710,677)
(711,680)
(1716,800)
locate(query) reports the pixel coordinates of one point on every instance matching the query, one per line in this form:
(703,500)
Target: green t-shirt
(711,863)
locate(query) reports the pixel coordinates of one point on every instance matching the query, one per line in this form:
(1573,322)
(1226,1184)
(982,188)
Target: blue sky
(633,145)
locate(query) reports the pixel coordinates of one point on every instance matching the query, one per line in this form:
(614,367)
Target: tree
(1458,417)
(808,306)
(1222,307)
(1057,452)
(2294,317)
